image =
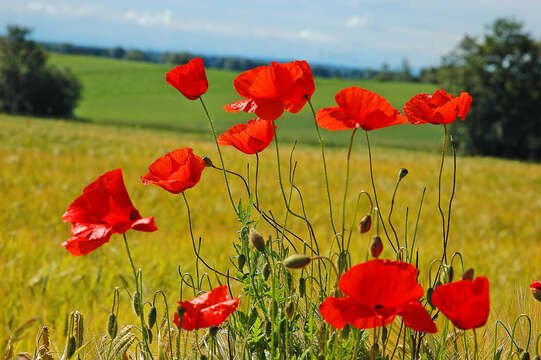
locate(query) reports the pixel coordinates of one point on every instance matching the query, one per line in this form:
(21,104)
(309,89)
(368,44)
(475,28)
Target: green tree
(27,84)
(502,72)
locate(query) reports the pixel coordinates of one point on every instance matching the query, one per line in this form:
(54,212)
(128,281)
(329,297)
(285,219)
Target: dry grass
(45,164)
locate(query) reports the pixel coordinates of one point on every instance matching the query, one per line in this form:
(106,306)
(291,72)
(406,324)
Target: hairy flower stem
(322,144)
(346,184)
(138,291)
(375,192)
(443,150)
(220,154)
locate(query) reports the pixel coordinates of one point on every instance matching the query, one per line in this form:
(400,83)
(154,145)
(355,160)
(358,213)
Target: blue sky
(356,33)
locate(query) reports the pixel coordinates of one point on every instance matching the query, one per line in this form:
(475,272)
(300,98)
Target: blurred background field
(46,163)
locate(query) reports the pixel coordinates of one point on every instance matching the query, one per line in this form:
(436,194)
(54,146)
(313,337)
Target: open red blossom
(249,138)
(189,79)
(466,303)
(176,171)
(269,90)
(103,209)
(438,108)
(359,108)
(206,310)
(376,291)
(535,287)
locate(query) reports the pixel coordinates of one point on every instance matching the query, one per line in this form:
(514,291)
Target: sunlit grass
(46,163)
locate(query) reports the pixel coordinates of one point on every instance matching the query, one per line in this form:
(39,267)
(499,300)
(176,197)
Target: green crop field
(135,93)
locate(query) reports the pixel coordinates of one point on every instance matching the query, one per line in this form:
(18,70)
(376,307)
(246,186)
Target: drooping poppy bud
(241,260)
(402,173)
(112,326)
(257,240)
(376,247)
(535,288)
(365,224)
(297,261)
(266,271)
(136,302)
(151,317)
(207,161)
(302,287)
(468,274)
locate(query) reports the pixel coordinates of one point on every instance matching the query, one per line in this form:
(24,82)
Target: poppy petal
(417,318)
(268,109)
(334,118)
(246,105)
(190,79)
(338,312)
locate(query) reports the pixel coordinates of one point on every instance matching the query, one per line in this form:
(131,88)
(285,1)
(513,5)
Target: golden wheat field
(44,165)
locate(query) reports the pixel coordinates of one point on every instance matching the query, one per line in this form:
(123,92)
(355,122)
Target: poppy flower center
(379,307)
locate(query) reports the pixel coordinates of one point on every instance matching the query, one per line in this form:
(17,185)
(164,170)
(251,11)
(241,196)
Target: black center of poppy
(379,306)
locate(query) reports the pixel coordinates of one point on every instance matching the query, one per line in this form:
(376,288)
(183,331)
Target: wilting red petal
(206,310)
(103,209)
(249,138)
(246,105)
(466,303)
(417,318)
(382,283)
(359,107)
(438,108)
(338,312)
(176,171)
(189,79)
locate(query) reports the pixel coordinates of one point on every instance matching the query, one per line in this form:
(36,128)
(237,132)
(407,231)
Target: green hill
(135,93)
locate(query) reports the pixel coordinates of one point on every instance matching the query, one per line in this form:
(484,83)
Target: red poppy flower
(103,209)
(438,108)
(249,138)
(206,310)
(189,79)
(535,287)
(359,108)
(466,303)
(176,171)
(269,90)
(376,291)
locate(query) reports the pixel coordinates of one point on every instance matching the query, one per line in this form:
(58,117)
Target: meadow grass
(46,163)
(135,93)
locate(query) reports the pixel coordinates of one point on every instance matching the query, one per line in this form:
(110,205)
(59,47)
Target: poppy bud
(71,346)
(365,224)
(535,288)
(342,262)
(289,280)
(241,260)
(213,331)
(137,303)
(207,161)
(302,287)
(450,273)
(468,274)
(266,271)
(297,261)
(257,240)
(151,317)
(290,309)
(112,326)
(402,173)
(376,246)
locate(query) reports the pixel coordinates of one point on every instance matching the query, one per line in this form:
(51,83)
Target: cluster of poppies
(375,291)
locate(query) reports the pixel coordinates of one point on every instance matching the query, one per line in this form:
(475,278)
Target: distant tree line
(233,63)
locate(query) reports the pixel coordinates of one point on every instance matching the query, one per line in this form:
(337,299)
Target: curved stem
(220,154)
(256,178)
(167,315)
(443,149)
(322,144)
(391,213)
(346,185)
(375,192)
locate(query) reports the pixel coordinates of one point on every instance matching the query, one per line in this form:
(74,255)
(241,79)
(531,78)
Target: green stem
(220,154)
(443,149)
(322,144)
(346,186)
(476,349)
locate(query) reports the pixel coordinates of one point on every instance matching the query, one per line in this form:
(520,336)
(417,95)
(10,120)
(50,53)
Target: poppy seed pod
(402,173)
(468,274)
(365,224)
(297,261)
(535,288)
(266,271)
(257,240)
(137,303)
(207,161)
(302,287)
(71,346)
(376,247)
(151,317)
(241,260)
(112,326)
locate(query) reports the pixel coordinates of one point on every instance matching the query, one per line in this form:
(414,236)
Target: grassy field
(135,93)
(44,165)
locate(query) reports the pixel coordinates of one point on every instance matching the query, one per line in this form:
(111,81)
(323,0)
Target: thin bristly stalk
(375,192)
(256,178)
(322,144)
(391,213)
(346,186)
(452,193)
(139,292)
(443,150)
(220,155)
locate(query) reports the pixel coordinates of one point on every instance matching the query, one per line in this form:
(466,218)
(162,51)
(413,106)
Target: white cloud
(57,9)
(356,21)
(315,36)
